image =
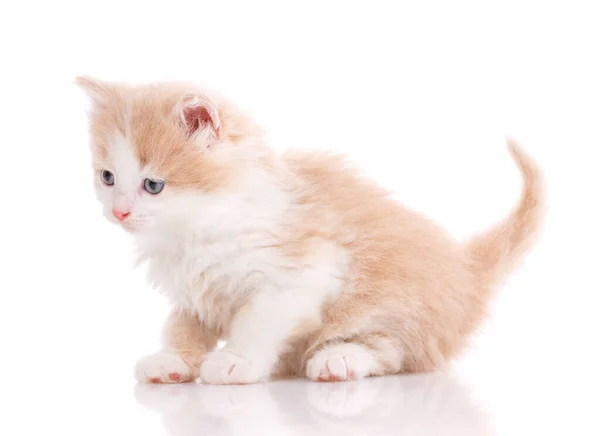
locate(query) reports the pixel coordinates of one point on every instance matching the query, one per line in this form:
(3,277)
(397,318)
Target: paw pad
(163,367)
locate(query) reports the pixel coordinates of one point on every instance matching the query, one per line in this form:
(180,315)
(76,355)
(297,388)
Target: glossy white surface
(421,405)
(420,94)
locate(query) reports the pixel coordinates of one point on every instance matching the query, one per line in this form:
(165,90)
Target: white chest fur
(214,278)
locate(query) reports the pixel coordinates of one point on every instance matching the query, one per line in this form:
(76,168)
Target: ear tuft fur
(98,91)
(197,114)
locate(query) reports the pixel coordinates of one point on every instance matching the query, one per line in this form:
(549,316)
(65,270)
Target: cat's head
(159,151)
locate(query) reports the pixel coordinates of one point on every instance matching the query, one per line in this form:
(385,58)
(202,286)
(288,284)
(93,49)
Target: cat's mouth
(131,226)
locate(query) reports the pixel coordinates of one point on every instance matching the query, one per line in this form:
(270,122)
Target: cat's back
(344,205)
(330,182)
(331,179)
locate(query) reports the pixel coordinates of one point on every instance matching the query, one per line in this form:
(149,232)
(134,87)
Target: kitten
(301,265)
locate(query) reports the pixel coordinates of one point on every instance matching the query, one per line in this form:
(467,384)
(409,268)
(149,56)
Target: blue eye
(153,186)
(108,178)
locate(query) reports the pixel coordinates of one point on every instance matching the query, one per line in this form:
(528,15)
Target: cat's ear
(198,114)
(98,91)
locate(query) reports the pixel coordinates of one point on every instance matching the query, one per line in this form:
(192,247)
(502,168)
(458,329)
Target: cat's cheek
(104,197)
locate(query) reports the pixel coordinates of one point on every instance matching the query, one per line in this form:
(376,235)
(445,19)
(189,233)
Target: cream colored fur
(299,263)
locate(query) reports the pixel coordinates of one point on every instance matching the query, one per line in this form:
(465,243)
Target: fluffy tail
(500,250)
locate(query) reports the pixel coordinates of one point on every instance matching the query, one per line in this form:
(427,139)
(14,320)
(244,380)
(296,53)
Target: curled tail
(500,250)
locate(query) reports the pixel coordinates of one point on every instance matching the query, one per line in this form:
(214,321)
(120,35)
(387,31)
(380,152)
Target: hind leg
(362,357)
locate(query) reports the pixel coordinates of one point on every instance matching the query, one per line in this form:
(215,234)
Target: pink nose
(121,216)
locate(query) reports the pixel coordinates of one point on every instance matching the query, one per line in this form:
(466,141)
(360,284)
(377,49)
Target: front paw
(224,367)
(163,367)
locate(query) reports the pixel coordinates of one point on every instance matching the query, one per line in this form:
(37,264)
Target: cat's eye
(108,178)
(153,186)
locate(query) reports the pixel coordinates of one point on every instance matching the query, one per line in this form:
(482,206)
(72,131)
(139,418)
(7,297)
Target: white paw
(163,367)
(341,362)
(226,368)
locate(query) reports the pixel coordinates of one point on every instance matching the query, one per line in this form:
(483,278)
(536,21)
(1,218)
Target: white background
(421,94)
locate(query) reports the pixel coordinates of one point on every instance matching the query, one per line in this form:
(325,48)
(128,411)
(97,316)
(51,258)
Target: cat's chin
(130,228)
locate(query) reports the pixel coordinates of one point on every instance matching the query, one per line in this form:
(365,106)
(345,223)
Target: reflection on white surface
(430,404)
